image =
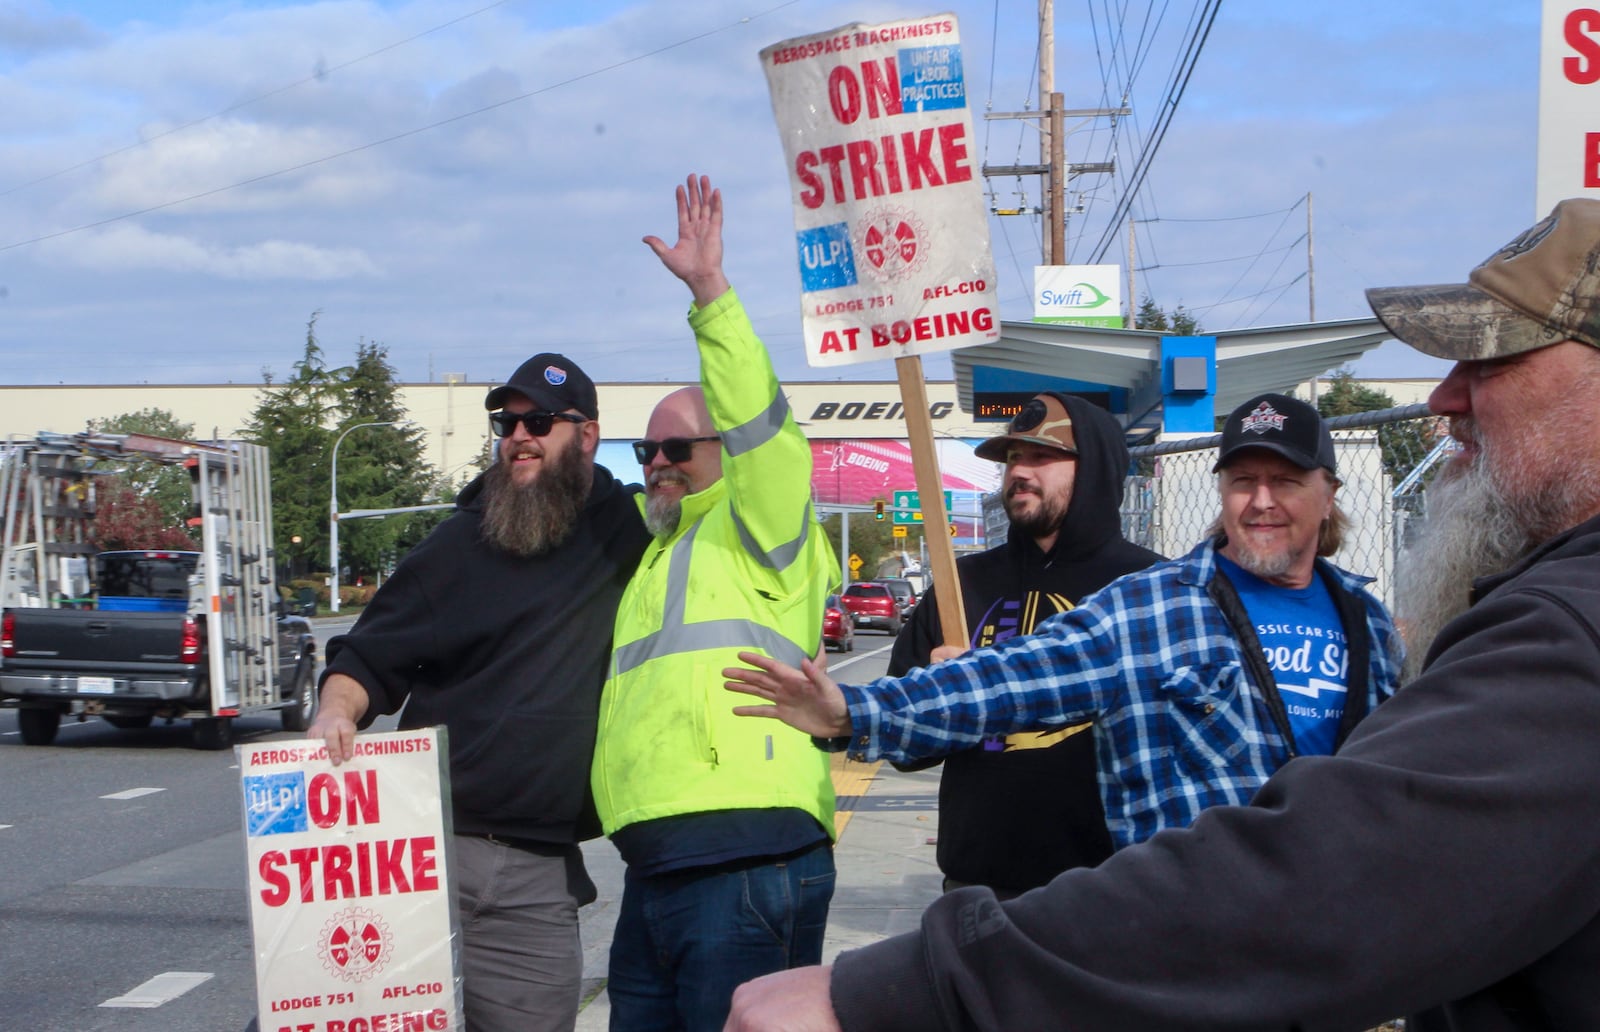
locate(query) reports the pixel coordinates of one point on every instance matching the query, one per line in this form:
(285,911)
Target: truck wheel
(213,733)
(297,715)
(128,722)
(38,726)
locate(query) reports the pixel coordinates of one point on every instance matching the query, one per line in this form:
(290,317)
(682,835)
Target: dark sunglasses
(676,449)
(537,424)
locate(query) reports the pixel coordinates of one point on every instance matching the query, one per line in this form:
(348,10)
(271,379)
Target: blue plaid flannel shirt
(1152,661)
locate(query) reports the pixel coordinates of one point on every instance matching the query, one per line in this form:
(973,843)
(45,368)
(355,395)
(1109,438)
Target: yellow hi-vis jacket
(748,568)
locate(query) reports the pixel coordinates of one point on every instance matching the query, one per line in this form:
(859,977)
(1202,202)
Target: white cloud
(131,248)
(516,225)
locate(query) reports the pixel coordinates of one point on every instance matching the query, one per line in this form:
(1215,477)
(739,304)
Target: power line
(263,177)
(1168,109)
(1220,261)
(316,76)
(1251,297)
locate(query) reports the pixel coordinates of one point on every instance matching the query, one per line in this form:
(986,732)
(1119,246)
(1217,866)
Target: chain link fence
(1386,459)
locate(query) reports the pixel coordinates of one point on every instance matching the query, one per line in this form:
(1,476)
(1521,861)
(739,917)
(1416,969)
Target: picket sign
(352,907)
(891,230)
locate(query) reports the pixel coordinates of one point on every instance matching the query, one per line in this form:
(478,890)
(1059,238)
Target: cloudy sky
(182,185)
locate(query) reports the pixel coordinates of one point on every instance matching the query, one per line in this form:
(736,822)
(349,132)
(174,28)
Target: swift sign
(891,231)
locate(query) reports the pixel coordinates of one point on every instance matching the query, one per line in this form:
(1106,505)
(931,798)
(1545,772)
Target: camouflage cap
(1540,289)
(1043,420)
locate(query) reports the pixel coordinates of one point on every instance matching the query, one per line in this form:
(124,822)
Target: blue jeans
(686,940)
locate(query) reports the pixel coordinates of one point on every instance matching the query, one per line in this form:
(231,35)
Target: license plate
(96,685)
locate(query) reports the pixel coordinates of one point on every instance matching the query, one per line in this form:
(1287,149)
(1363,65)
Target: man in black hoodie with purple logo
(1022,808)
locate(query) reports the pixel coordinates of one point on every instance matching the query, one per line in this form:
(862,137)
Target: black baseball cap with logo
(551,381)
(1278,423)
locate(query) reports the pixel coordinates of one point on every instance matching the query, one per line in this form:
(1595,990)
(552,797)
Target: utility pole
(1133,306)
(1052,145)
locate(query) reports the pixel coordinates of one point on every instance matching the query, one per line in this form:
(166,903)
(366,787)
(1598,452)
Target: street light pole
(333,512)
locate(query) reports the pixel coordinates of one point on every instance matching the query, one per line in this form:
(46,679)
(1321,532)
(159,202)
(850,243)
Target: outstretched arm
(697,256)
(806,699)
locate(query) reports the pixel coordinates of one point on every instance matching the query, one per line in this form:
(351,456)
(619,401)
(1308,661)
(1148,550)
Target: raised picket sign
(891,229)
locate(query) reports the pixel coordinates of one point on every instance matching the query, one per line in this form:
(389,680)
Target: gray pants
(521,959)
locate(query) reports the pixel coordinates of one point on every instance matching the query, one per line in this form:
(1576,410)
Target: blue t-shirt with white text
(1304,643)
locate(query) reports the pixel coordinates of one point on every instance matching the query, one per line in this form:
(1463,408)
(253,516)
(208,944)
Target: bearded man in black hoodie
(1021,808)
(498,627)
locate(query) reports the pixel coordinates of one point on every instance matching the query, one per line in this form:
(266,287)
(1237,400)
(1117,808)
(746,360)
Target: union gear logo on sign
(355,944)
(891,230)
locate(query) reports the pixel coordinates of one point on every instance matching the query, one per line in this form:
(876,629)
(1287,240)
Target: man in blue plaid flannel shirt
(1202,675)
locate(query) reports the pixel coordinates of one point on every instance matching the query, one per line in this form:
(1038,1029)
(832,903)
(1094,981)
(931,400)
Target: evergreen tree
(380,467)
(1343,395)
(1180,323)
(1403,444)
(292,422)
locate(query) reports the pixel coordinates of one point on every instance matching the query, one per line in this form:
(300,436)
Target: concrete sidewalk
(887,874)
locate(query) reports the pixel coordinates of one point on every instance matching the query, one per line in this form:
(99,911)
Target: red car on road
(838,626)
(874,605)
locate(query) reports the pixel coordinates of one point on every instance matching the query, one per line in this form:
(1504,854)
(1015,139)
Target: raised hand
(697,256)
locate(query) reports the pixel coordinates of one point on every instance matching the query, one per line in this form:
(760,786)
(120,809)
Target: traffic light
(877,510)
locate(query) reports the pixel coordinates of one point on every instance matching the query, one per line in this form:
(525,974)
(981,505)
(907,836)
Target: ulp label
(826,260)
(275,804)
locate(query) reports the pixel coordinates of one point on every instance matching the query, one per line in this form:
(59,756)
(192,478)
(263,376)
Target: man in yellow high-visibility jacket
(726,825)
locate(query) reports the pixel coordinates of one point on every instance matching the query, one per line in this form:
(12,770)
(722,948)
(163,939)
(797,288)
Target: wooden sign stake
(930,490)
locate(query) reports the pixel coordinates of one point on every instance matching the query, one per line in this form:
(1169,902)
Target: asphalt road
(122,879)
(122,875)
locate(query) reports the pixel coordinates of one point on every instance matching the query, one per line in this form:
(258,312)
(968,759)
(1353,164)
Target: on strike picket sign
(350,900)
(1569,103)
(890,225)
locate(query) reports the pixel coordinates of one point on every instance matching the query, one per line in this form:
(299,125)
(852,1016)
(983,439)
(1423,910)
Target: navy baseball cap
(551,381)
(1280,424)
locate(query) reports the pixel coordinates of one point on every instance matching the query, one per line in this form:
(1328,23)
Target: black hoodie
(1018,812)
(509,654)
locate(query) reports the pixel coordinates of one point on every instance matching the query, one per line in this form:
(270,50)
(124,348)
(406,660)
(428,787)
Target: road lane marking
(164,988)
(133,793)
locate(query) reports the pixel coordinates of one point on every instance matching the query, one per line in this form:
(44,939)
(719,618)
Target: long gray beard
(1474,529)
(531,520)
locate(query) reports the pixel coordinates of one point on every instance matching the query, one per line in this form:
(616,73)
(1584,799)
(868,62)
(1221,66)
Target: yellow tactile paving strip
(851,780)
